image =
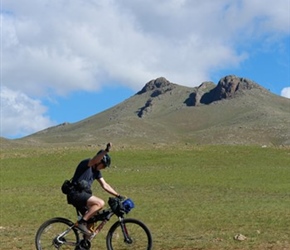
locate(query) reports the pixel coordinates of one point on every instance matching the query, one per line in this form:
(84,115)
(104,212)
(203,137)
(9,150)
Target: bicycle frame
(58,239)
(99,228)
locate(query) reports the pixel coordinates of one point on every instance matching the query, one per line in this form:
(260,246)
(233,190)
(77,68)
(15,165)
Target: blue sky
(63,61)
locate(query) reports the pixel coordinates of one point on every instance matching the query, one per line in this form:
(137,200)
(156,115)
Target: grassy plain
(191,197)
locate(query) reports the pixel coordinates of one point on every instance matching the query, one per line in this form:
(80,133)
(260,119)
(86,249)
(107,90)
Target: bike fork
(127,238)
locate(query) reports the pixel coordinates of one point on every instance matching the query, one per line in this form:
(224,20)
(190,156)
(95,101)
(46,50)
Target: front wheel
(56,233)
(129,234)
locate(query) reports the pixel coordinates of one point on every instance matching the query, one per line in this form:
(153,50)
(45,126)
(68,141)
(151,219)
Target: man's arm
(107,187)
(98,157)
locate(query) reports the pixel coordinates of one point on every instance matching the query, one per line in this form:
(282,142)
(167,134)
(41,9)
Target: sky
(63,61)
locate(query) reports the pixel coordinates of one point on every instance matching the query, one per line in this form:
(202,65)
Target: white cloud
(286,92)
(65,46)
(20,115)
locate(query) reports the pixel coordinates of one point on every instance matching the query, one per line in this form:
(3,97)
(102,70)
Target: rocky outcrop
(145,109)
(227,87)
(230,85)
(201,90)
(158,86)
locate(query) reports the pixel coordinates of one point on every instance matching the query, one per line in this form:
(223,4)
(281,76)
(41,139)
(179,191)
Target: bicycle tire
(137,231)
(47,236)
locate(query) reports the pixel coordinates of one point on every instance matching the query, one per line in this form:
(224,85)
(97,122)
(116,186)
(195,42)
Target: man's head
(106,160)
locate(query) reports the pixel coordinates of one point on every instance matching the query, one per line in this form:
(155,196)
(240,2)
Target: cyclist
(81,195)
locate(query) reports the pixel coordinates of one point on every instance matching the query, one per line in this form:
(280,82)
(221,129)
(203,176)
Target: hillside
(235,111)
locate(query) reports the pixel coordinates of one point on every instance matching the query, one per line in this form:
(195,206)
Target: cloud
(286,92)
(21,115)
(59,47)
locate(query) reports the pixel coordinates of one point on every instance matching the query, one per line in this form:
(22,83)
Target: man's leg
(94,204)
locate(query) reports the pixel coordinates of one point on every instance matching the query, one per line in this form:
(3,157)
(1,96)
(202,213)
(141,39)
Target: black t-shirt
(84,172)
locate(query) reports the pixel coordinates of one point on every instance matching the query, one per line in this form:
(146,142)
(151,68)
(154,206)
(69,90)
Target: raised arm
(98,157)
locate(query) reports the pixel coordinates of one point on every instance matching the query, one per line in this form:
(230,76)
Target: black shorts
(78,198)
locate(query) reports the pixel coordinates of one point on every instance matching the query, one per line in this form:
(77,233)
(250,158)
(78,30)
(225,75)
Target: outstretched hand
(108,147)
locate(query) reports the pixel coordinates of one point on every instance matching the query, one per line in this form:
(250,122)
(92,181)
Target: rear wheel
(129,234)
(56,233)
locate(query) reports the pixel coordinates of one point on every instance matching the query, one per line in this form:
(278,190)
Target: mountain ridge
(235,111)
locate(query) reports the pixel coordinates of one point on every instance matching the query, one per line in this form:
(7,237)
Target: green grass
(195,197)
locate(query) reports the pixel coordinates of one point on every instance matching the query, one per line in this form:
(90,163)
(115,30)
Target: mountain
(235,111)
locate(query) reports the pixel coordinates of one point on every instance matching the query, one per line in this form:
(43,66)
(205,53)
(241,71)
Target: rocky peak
(229,85)
(157,86)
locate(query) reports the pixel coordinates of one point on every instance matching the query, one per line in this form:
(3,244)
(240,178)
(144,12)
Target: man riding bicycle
(81,195)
